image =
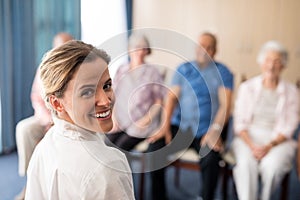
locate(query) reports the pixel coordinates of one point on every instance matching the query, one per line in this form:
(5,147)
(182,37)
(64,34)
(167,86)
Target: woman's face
(272,65)
(138,53)
(88,99)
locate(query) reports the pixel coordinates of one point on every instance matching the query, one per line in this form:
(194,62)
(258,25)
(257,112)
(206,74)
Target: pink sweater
(41,112)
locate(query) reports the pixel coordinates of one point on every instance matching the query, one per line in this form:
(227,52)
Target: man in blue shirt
(196,109)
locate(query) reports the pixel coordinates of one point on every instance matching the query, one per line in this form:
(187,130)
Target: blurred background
(27,28)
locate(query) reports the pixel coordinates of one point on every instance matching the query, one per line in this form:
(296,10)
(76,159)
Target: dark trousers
(209,164)
(122,141)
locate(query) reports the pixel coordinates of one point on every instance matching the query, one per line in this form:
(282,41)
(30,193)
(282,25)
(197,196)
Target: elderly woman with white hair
(265,118)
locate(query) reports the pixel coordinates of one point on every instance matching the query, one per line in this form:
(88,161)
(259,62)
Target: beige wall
(241,26)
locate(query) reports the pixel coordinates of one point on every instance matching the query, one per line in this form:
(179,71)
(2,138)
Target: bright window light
(101,20)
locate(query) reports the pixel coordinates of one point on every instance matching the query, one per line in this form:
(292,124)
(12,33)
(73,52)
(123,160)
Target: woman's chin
(270,75)
(104,128)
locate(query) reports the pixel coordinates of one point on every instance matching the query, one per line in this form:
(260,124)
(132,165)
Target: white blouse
(287,108)
(264,113)
(73,163)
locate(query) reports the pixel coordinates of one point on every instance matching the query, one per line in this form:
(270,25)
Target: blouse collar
(73,131)
(279,88)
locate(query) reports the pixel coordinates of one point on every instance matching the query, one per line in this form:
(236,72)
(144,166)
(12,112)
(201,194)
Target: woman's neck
(136,63)
(270,83)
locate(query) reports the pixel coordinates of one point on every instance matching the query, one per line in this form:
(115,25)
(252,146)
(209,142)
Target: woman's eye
(87,93)
(107,86)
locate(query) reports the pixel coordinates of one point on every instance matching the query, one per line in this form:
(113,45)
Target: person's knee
(246,163)
(28,122)
(23,128)
(28,129)
(210,160)
(271,169)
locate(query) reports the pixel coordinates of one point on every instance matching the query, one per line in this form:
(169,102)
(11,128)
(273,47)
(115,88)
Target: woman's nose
(270,64)
(102,98)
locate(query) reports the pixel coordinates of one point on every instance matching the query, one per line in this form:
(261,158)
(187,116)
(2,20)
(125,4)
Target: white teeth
(102,115)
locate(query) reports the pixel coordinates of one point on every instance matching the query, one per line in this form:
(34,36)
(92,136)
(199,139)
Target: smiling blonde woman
(72,161)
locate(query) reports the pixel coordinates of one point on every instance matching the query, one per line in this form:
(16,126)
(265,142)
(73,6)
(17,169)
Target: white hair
(272,46)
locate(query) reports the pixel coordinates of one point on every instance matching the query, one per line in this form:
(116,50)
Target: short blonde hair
(59,65)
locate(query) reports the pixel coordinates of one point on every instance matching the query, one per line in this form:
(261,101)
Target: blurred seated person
(31,130)
(265,118)
(297,135)
(196,111)
(139,96)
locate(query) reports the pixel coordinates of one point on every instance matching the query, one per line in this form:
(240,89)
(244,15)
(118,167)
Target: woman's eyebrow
(87,86)
(93,85)
(108,80)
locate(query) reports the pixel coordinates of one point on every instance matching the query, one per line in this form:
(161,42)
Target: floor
(11,183)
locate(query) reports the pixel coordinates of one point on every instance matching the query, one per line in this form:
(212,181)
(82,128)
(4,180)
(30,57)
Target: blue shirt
(198,100)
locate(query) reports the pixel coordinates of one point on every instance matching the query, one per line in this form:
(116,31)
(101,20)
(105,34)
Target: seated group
(192,112)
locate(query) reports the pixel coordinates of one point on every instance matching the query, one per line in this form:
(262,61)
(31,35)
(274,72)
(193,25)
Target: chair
(228,174)
(189,159)
(229,162)
(138,154)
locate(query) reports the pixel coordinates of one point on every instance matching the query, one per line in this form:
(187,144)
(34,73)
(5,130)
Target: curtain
(0,121)
(51,17)
(27,29)
(129,15)
(17,66)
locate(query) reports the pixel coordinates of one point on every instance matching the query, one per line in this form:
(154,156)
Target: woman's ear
(56,104)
